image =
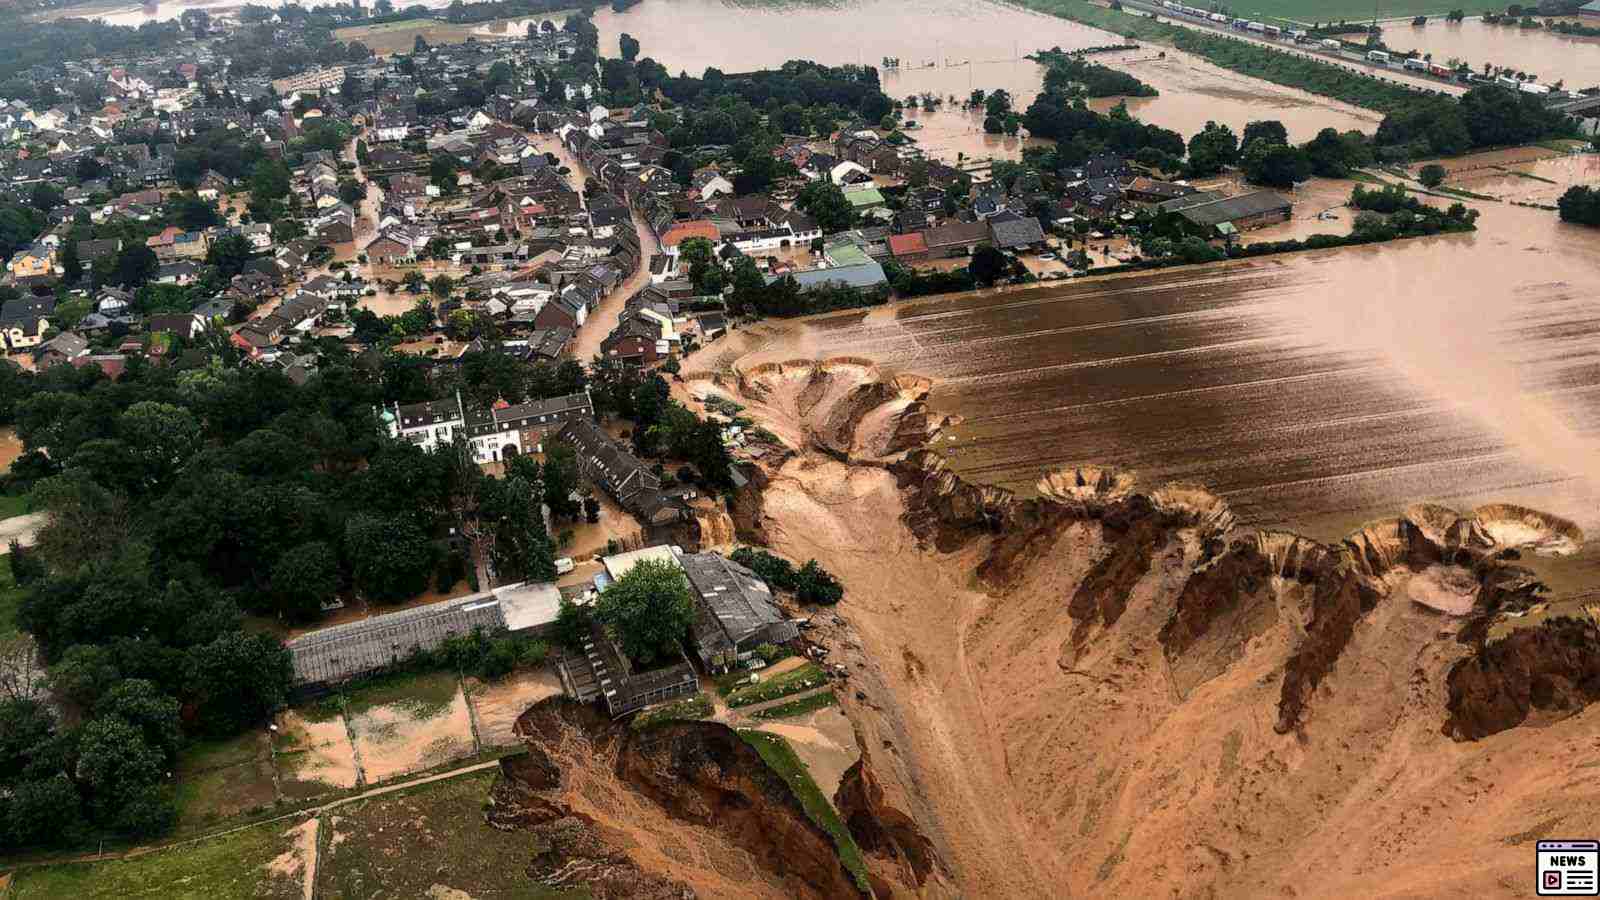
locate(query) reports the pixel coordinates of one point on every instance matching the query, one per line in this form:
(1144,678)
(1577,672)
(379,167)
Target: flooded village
(685,448)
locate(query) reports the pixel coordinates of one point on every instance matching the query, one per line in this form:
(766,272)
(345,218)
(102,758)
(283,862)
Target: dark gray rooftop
(355,648)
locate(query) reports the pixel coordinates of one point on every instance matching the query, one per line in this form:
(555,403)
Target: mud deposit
(1117,686)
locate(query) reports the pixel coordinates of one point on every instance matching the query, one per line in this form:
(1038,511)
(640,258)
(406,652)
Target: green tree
(561,481)
(1432,175)
(71,265)
(141,704)
(442,285)
(46,812)
(522,549)
(229,254)
(161,437)
(648,610)
(304,578)
(239,680)
(825,201)
(391,559)
(136,264)
(1580,205)
(988,265)
(1212,150)
(115,765)
(1274,165)
(814,584)
(629,47)
(269,181)
(1269,130)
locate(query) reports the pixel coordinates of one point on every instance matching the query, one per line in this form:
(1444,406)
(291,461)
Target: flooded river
(950,47)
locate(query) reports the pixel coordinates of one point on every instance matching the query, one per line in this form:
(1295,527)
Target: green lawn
(801,678)
(424,694)
(236,865)
(799,707)
(407,843)
(12,506)
(777,754)
(687,709)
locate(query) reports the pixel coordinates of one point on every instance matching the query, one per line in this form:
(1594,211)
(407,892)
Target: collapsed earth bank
(1105,672)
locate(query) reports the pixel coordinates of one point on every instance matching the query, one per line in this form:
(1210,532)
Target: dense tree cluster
(182,498)
(1580,205)
(1067,73)
(810,583)
(1081,132)
(1486,116)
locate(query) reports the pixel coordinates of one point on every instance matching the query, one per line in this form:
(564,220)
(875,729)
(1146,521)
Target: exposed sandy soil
(313,757)
(10,447)
(1046,729)
(497,704)
(300,861)
(824,740)
(399,738)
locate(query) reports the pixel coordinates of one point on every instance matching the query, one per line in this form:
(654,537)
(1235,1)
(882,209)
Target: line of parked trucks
(1381,57)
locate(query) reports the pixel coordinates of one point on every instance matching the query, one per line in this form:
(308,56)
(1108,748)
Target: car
(1046,257)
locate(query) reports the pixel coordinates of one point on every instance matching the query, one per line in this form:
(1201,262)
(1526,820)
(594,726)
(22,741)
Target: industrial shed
(342,652)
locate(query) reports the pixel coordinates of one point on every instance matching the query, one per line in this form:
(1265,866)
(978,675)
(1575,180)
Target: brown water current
(1313,391)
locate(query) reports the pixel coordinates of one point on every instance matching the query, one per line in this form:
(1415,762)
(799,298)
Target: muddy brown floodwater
(1312,391)
(1551,56)
(954,48)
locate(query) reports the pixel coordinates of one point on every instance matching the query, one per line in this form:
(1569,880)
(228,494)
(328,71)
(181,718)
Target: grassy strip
(1309,75)
(793,681)
(800,707)
(233,865)
(687,709)
(12,506)
(1240,56)
(777,754)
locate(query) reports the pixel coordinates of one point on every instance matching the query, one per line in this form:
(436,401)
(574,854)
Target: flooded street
(955,48)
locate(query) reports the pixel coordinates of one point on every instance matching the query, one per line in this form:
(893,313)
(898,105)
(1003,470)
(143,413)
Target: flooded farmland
(1313,391)
(956,47)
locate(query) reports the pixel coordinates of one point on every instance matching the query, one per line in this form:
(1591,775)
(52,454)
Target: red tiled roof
(907,244)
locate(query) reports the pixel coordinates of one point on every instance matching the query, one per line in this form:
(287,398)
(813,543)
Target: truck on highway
(1378,56)
(1416,64)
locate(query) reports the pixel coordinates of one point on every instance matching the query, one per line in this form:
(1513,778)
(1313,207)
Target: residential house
(625,478)
(24,320)
(36,261)
(1013,232)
